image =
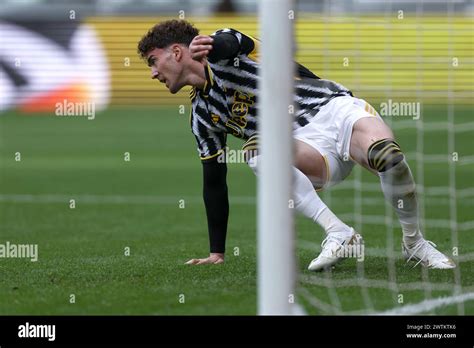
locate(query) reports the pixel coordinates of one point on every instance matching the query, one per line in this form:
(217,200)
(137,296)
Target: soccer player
(332,129)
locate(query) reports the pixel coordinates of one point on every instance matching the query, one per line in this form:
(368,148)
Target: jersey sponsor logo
(242,102)
(240,109)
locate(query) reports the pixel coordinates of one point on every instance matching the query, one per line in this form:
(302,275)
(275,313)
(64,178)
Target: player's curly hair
(167,33)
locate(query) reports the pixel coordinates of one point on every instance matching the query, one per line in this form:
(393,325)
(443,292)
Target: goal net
(413,62)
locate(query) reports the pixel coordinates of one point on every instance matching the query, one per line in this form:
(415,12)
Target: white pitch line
(171,200)
(112,199)
(429,305)
(152,199)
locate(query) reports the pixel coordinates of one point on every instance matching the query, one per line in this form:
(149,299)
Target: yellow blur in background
(429,59)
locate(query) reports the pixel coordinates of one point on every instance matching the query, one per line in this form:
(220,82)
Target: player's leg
(309,163)
(373,146)
(309,168)
(310,172)
(314,171)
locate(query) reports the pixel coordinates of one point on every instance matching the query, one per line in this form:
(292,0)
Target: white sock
(308,203)
(398,187)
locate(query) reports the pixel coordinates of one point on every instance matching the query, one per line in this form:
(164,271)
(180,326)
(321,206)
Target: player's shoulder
(234,32)
(227,31)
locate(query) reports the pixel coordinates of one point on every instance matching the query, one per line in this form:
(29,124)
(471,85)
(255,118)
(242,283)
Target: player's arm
(216,201)
(224,44)
(211,146)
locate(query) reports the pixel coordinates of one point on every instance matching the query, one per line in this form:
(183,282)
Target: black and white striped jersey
(228,103)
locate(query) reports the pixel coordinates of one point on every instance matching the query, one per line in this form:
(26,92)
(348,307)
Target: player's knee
(384,154)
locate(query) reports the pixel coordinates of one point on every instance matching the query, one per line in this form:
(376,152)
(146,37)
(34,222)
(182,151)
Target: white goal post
(276,257)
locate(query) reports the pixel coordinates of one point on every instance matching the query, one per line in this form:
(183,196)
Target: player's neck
(196,74)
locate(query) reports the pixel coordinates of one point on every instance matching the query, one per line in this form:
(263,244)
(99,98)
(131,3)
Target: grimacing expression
(166,66)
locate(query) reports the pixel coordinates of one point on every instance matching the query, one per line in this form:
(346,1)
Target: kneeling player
(332,131)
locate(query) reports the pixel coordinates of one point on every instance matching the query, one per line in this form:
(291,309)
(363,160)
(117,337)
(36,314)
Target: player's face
(166,66)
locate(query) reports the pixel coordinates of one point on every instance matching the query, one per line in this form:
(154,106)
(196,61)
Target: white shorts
(330,133)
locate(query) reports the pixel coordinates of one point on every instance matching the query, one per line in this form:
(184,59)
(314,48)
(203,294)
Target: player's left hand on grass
(214,258)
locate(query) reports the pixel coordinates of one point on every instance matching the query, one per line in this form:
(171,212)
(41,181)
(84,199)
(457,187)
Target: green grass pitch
(136,205)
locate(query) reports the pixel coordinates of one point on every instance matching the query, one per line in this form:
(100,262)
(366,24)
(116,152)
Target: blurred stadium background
(135,178)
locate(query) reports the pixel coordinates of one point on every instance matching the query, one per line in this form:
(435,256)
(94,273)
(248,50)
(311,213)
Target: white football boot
(331,249)
(424,252)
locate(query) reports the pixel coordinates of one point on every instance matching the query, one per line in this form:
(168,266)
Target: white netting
(388,287)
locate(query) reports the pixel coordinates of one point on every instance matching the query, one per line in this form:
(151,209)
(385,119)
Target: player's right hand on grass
(200,46)
(214,258)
